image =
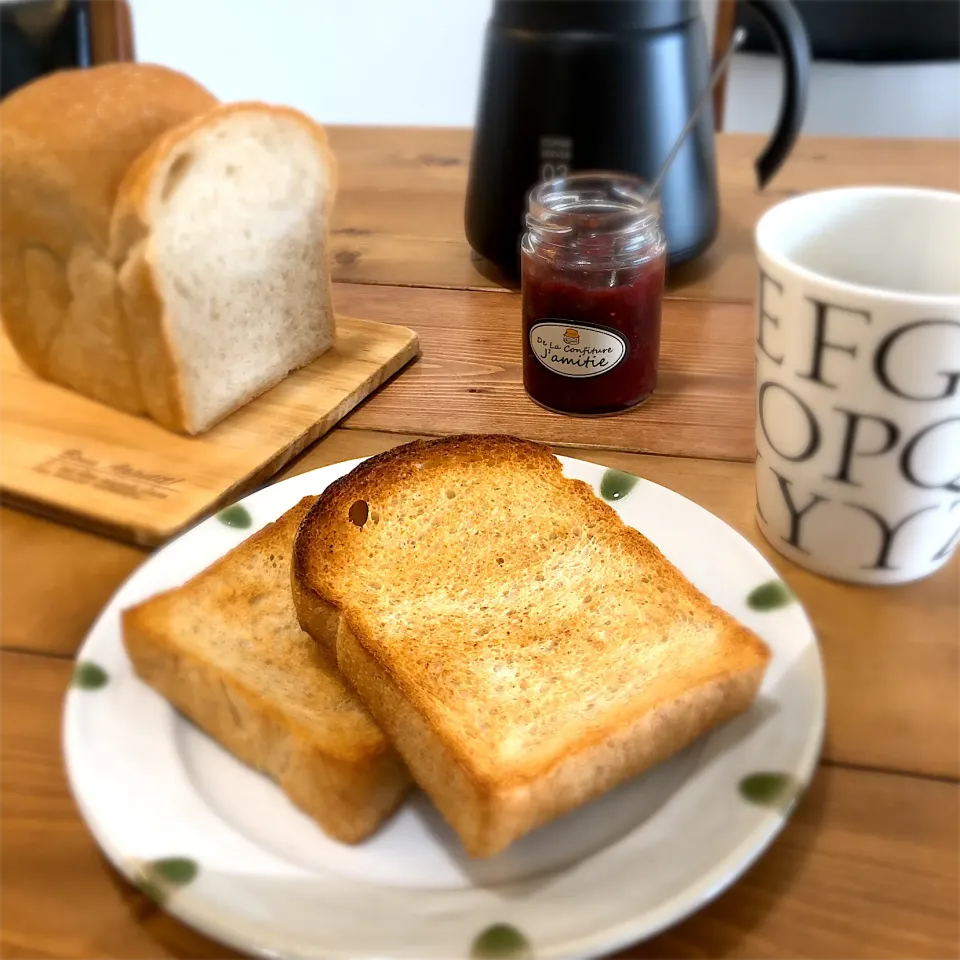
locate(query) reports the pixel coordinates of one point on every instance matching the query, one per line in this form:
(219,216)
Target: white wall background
(417,62)
(341,61)
(850,100)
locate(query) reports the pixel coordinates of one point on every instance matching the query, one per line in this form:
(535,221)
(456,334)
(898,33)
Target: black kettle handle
(791,39)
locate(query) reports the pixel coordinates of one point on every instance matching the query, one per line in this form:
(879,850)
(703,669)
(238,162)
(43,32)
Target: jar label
(577,349)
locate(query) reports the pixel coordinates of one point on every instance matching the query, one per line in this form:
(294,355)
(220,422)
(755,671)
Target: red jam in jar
(592,287)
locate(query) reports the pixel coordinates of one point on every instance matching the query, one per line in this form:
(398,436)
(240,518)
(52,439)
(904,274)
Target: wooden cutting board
(70,458)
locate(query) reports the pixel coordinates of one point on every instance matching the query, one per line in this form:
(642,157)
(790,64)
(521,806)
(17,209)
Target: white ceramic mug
(858,381)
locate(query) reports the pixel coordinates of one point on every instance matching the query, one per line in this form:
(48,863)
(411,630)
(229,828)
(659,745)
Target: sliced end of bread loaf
(220,233)
(226,649)
(522,647)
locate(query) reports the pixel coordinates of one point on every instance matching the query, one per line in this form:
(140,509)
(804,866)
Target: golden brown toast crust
(500,620)
(226,650)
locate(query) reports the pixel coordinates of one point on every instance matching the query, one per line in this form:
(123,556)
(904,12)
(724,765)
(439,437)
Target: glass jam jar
(592,269)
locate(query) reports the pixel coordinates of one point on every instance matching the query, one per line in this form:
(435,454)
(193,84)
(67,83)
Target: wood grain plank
(866,868)
(54,581)
(723,25)
(399,213)
(111,31)
(469,376)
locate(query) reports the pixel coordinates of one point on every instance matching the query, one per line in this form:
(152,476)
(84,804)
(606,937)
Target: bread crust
(333,762)
(489,798)
(66,142)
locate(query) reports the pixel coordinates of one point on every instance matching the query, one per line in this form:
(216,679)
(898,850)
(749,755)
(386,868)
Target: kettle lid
(588,15)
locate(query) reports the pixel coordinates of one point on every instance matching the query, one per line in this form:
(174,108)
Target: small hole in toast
(359,511)
(451,493)
(500,560)
(175,175)
(182,289)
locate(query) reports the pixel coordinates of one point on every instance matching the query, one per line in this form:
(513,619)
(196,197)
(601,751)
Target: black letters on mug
(887,533)
(820,342)
(813,444)
(756,493)
(849,448)
(944,551)
(764,315)
(906,459)
(881,358)
(796,515)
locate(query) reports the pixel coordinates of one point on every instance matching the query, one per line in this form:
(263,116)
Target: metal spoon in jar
(739,35)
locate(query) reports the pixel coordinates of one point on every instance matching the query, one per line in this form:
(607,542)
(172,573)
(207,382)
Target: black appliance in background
(869,31)
(40,36)
(608,85)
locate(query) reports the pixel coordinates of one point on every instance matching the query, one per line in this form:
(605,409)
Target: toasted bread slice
(227,651)
(521,646)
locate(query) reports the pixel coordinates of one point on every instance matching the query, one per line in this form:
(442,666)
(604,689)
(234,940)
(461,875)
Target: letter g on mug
(858,381)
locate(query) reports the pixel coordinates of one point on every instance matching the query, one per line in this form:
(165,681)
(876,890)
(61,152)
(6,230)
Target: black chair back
(869,31)
(40,36)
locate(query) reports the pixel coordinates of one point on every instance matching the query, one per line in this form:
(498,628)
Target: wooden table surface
(867,867)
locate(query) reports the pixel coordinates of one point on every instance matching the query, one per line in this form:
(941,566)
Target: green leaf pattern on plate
(501,942)
(770,596)
(616,484)
(767,788)
(88,675)
(237,516)
(158,879)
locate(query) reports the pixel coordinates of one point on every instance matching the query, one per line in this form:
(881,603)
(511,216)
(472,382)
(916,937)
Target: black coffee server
(608,85)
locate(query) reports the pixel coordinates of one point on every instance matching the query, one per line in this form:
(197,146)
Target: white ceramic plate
(225,851)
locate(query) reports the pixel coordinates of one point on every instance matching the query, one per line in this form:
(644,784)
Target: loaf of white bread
(161,252)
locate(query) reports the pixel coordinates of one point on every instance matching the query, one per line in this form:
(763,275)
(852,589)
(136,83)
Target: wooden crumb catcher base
(68,457)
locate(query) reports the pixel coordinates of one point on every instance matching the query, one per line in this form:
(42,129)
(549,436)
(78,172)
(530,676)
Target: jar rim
(593,220)
(609,201)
